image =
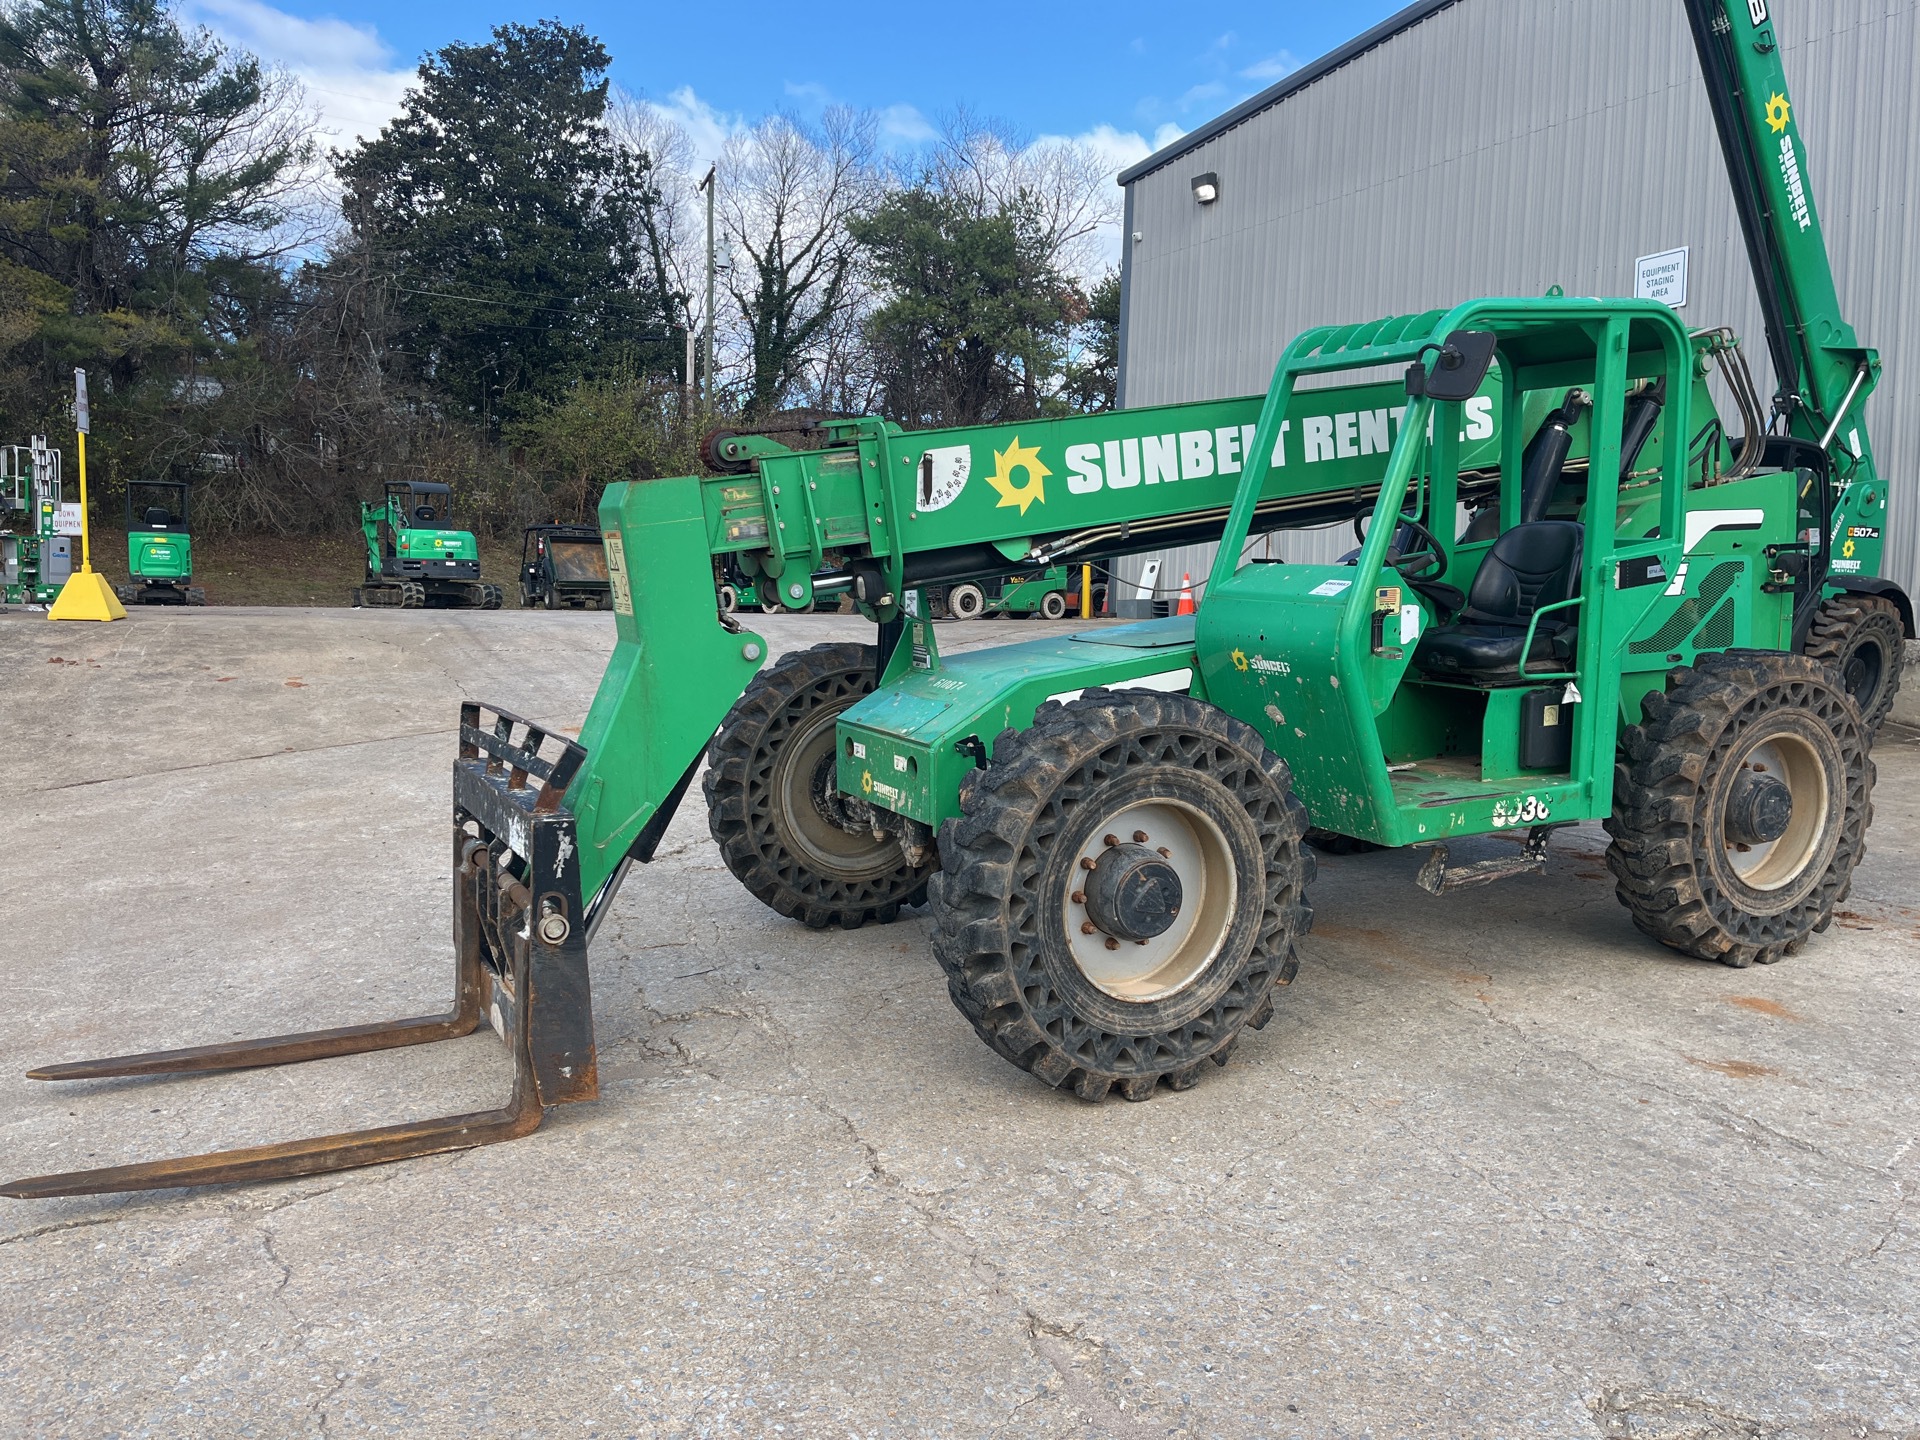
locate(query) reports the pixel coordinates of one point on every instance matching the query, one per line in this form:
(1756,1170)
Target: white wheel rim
(1197,850)
(1775,864)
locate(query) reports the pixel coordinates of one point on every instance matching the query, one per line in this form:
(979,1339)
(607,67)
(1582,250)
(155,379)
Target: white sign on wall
(1662,277)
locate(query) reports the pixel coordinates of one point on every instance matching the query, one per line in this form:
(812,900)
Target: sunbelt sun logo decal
(1019,459)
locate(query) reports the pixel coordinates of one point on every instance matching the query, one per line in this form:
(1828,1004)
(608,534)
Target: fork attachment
(520,959)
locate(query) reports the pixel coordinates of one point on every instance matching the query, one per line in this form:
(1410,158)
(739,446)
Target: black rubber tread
(986,898)
(1662,830)
(739,798)
(1841,626)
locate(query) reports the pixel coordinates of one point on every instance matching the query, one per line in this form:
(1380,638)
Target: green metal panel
(437,545)
(907,747)
(159,555)
(673,675)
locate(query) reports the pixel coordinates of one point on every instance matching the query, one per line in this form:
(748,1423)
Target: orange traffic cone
(1185,607)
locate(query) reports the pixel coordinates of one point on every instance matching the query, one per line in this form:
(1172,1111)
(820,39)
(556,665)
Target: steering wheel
(1429,558)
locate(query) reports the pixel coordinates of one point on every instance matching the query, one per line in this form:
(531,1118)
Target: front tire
(966,601)
(775,809)
(1862,638)
(1741,807)
(1119,981)
(1053,605)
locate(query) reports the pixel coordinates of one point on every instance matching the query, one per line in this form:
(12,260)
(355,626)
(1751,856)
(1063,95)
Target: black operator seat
(158,517)
(1531,566)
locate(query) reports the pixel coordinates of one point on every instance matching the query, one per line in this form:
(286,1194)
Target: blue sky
(1129,75)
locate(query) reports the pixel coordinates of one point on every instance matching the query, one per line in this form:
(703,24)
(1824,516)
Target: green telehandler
(1579,595)
(159,546)
(415,558)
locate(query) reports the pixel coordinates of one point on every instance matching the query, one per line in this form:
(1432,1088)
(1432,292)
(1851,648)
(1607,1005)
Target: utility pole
(709,186)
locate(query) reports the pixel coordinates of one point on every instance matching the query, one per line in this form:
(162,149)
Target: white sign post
(1662,277)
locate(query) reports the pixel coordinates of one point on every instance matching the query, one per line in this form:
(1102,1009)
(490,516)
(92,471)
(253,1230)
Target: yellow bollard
(86,595)
(1086,592)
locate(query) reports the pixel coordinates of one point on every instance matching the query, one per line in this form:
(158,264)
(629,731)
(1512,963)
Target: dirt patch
(1760,1005)
(296,570)
(1738,1069)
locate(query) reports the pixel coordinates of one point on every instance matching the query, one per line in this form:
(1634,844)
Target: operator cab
(424,503)
(156,505)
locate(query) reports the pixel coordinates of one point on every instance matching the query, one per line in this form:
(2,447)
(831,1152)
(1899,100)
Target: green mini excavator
(1580,593)
(415,558)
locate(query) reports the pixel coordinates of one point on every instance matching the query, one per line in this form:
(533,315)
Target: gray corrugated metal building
(1485,147)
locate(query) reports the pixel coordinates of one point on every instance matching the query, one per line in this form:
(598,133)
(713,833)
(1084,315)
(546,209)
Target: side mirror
(1459,367)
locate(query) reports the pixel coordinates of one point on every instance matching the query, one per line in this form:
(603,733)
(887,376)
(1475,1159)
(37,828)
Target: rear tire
(966,601)
(773,805)
(1088,993)
(1053,606)
(1862,638)
(1740,739)
(729,600)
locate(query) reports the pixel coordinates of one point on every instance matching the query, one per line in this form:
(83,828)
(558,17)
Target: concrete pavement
(1500,1166)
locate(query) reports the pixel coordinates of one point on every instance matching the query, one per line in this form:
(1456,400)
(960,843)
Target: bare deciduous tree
(789,190)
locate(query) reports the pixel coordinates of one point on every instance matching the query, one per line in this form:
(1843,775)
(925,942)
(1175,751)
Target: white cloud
(348,70)
(1116,149)
(906,124)
(1276,66)
(707,129)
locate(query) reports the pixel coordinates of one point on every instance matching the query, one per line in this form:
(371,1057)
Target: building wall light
(1206,188)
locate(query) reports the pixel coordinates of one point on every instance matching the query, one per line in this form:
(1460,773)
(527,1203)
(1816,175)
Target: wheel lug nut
(1086,862)
(1165,853)
(1079,897)
(1112,944)
(1111,840)
(1087,927)
(1139,837)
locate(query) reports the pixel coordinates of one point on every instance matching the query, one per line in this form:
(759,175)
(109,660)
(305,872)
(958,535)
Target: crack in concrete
(1748,1127)
(53,1227)
(1045,1338)
(1892,1226)
(1624,1414)
(245,759)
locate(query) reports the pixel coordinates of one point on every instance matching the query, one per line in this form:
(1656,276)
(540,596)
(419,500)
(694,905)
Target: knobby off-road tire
(1697,794)
(773,805)
(1861,637)
(1014,899)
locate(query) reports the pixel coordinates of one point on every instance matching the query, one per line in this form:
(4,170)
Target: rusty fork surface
(530,980)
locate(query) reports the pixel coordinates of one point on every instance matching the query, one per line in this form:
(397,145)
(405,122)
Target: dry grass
(292,570)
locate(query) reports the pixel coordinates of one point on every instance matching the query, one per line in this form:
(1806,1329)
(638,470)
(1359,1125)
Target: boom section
(1824,374)
(895,510)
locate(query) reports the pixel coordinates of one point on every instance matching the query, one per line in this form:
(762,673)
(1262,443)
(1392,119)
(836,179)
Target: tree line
(505,289)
